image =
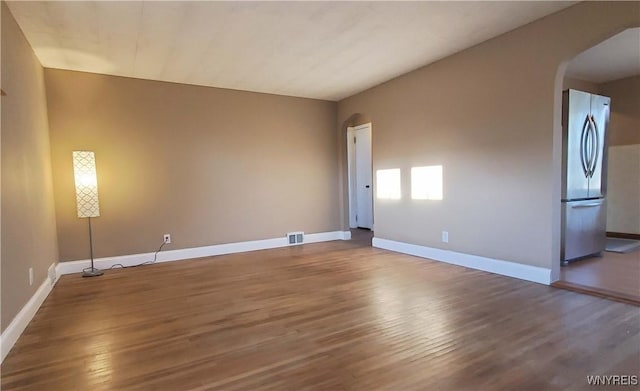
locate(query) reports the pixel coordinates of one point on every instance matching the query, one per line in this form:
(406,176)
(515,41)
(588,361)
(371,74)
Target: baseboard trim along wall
(622,235)
(21,321)
(496,266)
(197,252)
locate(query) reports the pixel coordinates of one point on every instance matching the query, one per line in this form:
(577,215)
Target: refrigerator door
(576,122)
(584,228)
(600,122)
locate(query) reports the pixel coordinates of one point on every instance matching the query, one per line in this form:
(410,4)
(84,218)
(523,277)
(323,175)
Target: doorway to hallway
(360,177)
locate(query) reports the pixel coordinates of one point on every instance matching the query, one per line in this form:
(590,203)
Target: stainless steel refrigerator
(584,212)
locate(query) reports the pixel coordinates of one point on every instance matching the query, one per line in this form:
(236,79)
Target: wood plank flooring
(613,275)
(328,316)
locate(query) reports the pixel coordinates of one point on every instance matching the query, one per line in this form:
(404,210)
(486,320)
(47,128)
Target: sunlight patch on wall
(426,183)
(388,184)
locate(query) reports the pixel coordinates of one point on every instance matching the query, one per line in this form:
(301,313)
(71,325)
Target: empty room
(237,195)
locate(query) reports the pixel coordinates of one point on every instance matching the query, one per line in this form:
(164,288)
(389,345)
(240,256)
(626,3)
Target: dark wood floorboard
(612,275)
(328,316)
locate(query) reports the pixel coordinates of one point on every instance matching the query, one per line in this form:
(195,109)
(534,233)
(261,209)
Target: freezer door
(584,226)
(575,127)
(600,118)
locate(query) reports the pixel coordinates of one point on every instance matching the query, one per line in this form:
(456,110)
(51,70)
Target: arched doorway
(611,273)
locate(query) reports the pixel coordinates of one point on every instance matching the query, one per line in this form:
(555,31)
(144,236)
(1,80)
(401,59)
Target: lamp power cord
(155,257)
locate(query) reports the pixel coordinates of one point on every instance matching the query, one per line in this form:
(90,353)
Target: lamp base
(92,272)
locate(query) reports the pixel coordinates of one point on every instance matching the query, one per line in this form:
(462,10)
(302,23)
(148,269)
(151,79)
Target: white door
(364,182)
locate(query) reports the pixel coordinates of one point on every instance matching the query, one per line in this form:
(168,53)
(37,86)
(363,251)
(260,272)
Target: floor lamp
(84,171)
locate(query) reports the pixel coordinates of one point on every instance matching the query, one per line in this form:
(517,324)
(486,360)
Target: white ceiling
(616,58)
(324,50)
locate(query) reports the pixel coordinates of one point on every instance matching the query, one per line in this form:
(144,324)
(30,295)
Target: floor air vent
(295,237)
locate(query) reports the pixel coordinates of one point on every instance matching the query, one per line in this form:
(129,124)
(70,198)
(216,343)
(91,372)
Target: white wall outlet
(30,276)
(167,238)
(445,236)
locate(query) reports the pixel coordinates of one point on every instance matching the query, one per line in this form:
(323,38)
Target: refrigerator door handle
(595,149)
(591,205)
(583,146)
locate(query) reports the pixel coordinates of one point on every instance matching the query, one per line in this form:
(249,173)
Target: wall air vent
(295,238)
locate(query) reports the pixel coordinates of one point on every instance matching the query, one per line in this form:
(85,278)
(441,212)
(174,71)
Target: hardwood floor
(329,316)
(613,275)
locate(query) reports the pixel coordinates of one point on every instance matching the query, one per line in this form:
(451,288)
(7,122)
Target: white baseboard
(196,252)
(22,319)
(496,266)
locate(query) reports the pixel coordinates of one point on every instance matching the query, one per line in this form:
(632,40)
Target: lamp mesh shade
(84,171)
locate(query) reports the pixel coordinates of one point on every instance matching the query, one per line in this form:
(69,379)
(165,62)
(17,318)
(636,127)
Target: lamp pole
(90,243)
(92,271)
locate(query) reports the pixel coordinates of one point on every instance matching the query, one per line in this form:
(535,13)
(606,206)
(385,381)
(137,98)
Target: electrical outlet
(30,276)
(445,236)
(167,238)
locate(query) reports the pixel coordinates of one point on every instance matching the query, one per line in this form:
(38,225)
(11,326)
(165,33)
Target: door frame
(351,175)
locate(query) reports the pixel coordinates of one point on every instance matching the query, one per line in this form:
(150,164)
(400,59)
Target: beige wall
(28,218)
(206,165)
(623,189)
(624,123)
(491,115)
(623,178)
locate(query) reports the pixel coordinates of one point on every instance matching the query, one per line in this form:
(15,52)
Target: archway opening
(608,71)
